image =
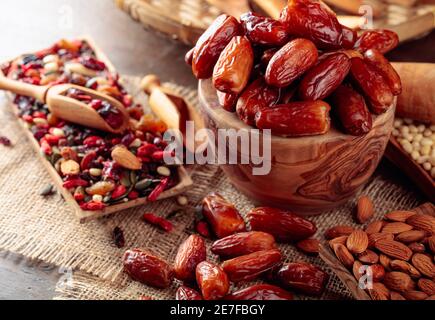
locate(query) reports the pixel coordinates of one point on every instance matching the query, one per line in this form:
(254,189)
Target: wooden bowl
(309,175)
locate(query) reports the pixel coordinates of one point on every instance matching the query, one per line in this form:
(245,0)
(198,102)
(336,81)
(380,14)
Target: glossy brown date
(212,281)
(376,59)
(243,243)
(267,56)
(228,101)
(190,253)
(283,225)
(303,277)
(260,292)
(188,58)
(256,96)
(290,62)
(145,267)
(186,293)
(321,80)
(264,31)
(233,68)
(250,266)
(349,37)
(312,19)
(296,118)
(352,111)
(222,216)
(375,88)
(211,44)
(381,40)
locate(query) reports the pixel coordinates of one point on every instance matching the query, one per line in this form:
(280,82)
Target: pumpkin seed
(125,178)
(143,184)
(133,177)
(47,190)
(136,143)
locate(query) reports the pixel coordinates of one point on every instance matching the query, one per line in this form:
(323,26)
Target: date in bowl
(309,175)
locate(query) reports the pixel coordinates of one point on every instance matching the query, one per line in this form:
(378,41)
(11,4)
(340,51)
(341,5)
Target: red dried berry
(118,237)
(153,196)
(160,222)
(119,191)
(92,206)
(5,141)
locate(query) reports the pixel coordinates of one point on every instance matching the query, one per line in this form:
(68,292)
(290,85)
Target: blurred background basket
(186,20)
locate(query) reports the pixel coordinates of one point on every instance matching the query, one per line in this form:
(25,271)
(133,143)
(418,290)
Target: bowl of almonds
(326,94)
(390,259)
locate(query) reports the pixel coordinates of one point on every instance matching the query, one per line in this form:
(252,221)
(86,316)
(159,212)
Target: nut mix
(245,256)
(288,74)
(398,251)
(99,169)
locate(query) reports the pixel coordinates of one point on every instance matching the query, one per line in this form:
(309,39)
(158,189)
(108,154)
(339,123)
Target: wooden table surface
(31,25)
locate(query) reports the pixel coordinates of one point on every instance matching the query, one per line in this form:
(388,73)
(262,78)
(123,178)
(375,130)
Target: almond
(423,222)
(394,249)
(400,265)
(385,261)
(357,242)
(379,292)
(375,227)
(375,237)
(415,295)
(338,231)
(398,281)
(410,236)
(69,167)
(343,255)
(427,286)
(432,297)
(396,227)
(417,247)
(424,264)
(399,216)
(378,272)
(396,296)
(368,257)
(125,158)
(309,246)
(431,243)
(364,210)
(356,269)
(342,240)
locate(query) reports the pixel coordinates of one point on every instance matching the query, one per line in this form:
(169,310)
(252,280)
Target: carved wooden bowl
(309,175)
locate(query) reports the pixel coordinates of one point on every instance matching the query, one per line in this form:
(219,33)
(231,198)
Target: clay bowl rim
(230,120)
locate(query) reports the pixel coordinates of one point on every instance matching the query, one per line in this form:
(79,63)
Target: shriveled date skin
(312,19)
(223,217)
(296,119)
(376,59)
(228,101)
(249,267)
(212,281)
(303,277)
(145,267)
(325,77)
(211,44)
(264,31)
(352,111)
(243,243)
(260,292)
(191,252)
(349,37)
(256,96)
(186,293)
(381,40)
(233,69)
(373,85)
(290,62)
(283,225)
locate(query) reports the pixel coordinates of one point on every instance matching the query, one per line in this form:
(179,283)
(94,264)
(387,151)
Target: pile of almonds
(245,255)
(398,251)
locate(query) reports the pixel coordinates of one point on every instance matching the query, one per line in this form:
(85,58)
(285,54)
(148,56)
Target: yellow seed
(425,150)
(415,155)
(427,166)
(95,172)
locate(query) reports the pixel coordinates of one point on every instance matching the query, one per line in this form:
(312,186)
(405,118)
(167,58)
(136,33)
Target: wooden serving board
(345,275)
(184,180)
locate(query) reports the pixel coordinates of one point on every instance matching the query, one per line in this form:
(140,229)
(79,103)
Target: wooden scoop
(171,108)
(238,7)
(65,107)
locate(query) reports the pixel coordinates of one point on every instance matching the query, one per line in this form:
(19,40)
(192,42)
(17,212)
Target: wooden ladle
(67,108)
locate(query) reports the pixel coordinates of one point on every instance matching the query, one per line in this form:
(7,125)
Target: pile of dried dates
(245,255)
(98,168)
(288,74)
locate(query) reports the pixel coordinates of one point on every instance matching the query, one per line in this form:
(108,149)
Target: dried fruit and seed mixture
(83,156)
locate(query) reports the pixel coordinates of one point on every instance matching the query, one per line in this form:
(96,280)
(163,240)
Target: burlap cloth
(46,228)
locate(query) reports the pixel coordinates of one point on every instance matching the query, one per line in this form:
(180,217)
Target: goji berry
(92,206)
(160,222)
(87,159)
(45,147)
(51,139)
(147,149)
(76,182)
(93,141)
(119,191)
(133,195)
(158,190)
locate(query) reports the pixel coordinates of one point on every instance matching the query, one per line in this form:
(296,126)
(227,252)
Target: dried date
(191,252)
(264,31)
(260,292)
(381,40)
(212,281)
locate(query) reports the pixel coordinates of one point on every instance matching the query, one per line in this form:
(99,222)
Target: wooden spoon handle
(234,8)
(353,6)
(22,88)
(415,27)
(273,8)
(417,100)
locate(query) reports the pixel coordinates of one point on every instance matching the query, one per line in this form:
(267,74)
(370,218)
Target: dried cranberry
(111,170)
(118,237)
(93,141)
(45,147)
(92,63)
(147,149)
(96,104)
(128,139)
(5,141)
(133,195)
